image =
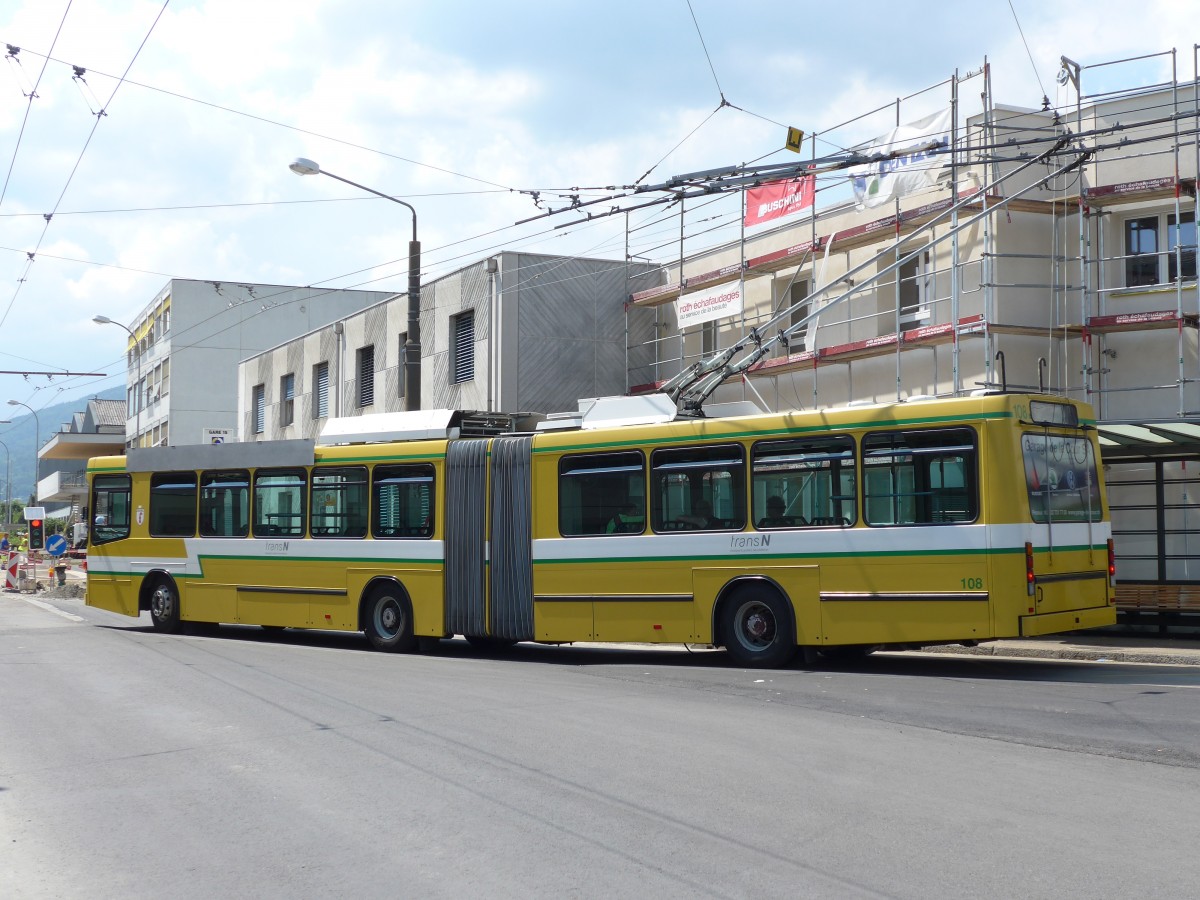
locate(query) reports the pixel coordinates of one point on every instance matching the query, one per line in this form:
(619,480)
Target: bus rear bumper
(1071,620)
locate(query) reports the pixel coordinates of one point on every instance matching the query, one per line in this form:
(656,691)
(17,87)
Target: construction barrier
(10,570)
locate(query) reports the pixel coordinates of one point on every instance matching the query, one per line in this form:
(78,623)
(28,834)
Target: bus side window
(279,502)
(698,488)
(340,503)
(173,504)
(922,477)
(602,493)
(225,503)
(806,481)
(402,501)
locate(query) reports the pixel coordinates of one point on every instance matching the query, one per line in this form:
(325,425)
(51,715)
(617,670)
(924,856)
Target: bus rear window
(1060,477)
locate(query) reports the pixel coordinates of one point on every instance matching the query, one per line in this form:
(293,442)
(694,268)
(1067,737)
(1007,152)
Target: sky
(481,115)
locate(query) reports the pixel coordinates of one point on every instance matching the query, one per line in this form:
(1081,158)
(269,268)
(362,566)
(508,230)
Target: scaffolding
(1056,253)
(1004,269)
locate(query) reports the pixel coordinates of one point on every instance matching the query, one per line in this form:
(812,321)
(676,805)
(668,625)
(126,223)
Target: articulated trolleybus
(829,532)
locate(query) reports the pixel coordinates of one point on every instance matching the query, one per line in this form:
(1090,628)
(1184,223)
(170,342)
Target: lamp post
(412,346)
(37,441)
(137,393)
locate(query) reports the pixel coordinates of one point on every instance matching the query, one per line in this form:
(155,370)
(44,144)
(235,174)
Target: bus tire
(388,620)
(757,629)
(164,606)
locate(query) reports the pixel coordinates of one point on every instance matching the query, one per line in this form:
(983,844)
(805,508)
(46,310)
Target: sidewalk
(1131,648)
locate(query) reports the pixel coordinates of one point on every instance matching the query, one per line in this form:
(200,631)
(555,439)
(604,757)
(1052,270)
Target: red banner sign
(779,198)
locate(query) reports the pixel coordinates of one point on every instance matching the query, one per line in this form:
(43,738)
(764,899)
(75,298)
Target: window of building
(279,502)
(366,375)
(339,502)
(708,339)
(258,407)
(110,508)
(920,477)
(462,330)
(320,382)
(698,488)
(1151,260)
(173,504)
(287,399)
(1183,238)
(1141,251)
(166,319)
(166,377)
(602,493)
(795,300)
(916,291)
(402,501)
(225,504)
(803,481)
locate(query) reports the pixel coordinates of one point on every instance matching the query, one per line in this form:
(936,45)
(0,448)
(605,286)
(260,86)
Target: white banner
(705,306)
(914,167)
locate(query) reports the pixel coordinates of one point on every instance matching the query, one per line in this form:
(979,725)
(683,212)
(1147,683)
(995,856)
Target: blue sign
(56,545)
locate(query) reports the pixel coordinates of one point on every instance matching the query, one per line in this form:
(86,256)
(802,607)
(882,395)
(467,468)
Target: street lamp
(37,441)
(137,392)
(412,346)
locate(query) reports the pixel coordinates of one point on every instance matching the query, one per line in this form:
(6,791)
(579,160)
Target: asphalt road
(299,765)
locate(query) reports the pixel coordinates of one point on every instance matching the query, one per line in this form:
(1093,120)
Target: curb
(1084,654)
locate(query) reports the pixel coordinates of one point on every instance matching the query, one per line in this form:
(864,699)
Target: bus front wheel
(164,606)
(757,629)
(387,619)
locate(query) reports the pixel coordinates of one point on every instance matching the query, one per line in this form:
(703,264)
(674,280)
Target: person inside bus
(626,520)
(701,516)
(775,517)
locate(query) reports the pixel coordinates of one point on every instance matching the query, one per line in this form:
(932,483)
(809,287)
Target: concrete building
(1066,267)
(184,349)
(515,332)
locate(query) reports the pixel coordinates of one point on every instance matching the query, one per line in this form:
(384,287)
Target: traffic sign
(56,545)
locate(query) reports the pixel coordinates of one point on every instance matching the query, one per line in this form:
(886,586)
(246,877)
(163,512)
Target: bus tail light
(1112,563)
(1029,577)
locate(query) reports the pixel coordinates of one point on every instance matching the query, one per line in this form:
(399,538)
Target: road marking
(54,609)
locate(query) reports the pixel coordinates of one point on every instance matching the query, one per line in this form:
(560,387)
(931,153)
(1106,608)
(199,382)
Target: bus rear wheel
(388,621)
(164,606)
(757,630)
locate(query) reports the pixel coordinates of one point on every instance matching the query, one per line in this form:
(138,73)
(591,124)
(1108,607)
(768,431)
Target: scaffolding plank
(1137,191)
(928,336)
(1140,321)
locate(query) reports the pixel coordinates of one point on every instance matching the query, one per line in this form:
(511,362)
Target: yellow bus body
(992,570)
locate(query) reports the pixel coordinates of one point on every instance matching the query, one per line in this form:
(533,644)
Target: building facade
(185,346)
(515,332)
